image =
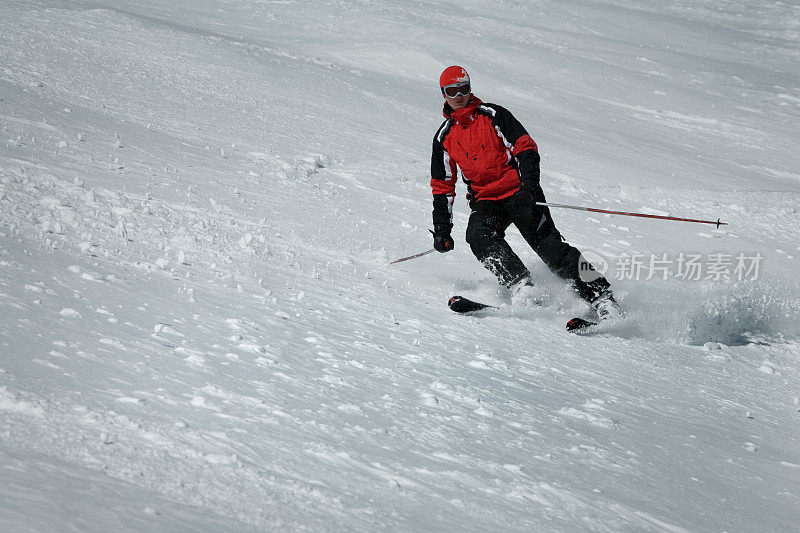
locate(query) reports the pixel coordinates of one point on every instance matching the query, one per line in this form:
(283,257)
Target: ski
(577,324)
(459,304)
(462,305)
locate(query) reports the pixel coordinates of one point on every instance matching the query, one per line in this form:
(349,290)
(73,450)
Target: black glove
(527,193)
(442,241)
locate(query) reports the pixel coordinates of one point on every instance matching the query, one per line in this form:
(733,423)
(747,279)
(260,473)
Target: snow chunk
(350,408)
(11,402)
(121,211)
(129,399)
(219,459)
(215,205)
(767,368)
(113,342)
(595,420)
(166,329)
(50,201)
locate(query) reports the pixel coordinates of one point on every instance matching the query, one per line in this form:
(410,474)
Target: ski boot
(607,307)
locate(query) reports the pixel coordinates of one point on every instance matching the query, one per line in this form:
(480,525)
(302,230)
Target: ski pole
(412,256)
(644,215)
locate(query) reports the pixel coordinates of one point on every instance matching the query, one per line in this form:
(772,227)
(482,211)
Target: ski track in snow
(200,330)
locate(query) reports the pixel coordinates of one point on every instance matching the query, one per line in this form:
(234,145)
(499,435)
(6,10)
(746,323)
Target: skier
(499,162)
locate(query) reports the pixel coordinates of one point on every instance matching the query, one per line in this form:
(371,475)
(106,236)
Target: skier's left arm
(522,146)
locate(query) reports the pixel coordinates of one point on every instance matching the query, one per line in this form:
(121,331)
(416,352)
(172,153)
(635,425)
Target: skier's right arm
(443,184)
(443,181)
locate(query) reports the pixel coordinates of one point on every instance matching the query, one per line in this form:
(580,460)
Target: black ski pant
(486,236)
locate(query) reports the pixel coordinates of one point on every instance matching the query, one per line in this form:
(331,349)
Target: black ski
(577,324)
(459,304)
(462,305)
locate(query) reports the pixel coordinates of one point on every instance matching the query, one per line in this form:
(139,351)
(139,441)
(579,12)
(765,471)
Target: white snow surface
(200,331)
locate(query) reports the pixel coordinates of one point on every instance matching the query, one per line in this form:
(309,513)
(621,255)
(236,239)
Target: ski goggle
(456,89)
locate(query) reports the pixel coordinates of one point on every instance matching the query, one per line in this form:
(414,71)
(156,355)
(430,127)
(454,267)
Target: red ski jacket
(491,148)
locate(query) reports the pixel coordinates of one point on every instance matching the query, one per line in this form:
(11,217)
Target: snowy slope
(200,331)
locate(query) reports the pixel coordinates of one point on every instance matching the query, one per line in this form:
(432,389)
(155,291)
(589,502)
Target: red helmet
(453,75)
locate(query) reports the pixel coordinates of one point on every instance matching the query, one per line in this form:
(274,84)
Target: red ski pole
(412,256)
(644,215)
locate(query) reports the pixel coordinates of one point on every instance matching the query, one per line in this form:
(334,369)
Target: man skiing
(499,162)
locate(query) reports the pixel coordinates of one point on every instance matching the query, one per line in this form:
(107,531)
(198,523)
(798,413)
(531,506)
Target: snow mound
(742,315)
(731,313)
